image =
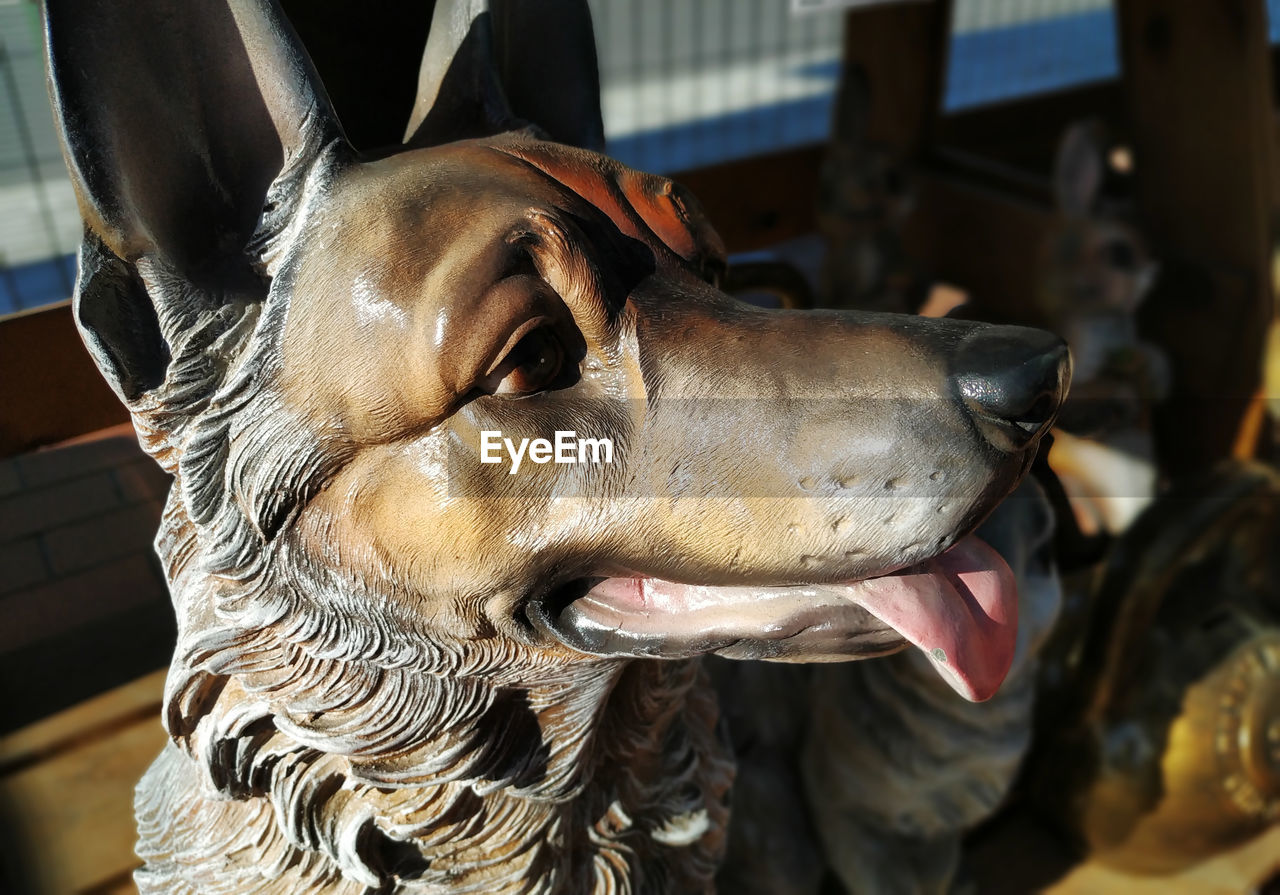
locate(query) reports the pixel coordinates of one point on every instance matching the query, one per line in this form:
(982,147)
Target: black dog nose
(1013,379)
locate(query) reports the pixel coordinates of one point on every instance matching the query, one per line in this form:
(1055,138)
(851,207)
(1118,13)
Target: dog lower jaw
(796,624)
(960,608)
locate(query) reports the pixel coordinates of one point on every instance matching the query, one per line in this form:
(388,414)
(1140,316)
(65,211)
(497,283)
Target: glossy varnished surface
(376,683)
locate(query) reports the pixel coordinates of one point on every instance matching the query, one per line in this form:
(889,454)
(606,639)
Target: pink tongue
(961,608)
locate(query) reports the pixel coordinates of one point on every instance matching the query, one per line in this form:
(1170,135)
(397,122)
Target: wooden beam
(759,201)
(66,787)
(1198,82)
(983,238)
(1015,853)
(52,391)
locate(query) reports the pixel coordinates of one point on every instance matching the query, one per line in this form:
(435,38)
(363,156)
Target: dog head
(1096,261)
(316,341)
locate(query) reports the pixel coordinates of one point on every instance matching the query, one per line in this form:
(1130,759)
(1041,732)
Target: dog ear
(1080,168)
(175,119)
(492,65)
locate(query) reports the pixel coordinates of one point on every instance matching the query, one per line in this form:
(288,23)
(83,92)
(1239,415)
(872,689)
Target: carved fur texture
(324,740)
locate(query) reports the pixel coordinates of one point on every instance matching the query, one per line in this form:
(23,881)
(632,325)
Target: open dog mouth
(959,607)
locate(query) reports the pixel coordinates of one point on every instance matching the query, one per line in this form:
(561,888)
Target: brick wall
(83,605)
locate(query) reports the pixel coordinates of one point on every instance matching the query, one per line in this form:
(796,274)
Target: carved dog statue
(399,668)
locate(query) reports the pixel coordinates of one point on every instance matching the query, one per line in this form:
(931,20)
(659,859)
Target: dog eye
(533,364)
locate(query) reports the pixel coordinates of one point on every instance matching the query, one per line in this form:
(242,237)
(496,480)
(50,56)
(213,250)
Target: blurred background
(1106,169)
(686,83)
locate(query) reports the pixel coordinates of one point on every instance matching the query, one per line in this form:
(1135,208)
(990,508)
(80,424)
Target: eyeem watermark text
(566,448)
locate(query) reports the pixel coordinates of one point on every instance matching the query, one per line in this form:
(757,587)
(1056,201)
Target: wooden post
(1198,84)
(903,49)
(887,104)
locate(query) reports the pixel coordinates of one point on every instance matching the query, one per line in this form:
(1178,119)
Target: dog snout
(1013,380)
